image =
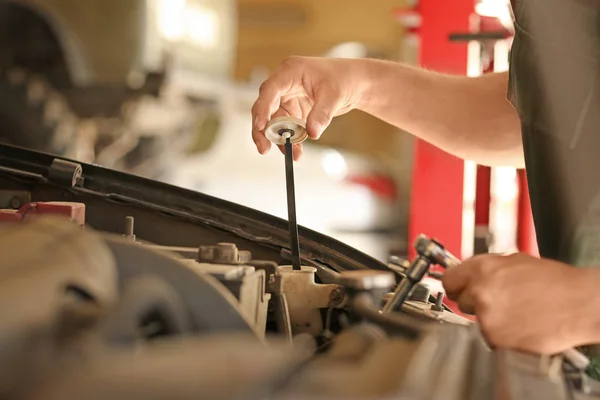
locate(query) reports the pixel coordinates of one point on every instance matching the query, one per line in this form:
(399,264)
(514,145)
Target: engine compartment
(120,287)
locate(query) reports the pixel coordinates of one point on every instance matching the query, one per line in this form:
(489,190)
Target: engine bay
(120,287)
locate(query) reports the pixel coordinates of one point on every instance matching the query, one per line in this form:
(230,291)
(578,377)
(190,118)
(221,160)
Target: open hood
(165,214)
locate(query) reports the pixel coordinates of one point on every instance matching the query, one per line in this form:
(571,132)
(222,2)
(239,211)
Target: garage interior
(133,118)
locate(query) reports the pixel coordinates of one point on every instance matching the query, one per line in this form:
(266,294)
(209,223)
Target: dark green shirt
(554,72)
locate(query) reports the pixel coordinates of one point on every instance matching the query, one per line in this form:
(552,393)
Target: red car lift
(437,195)
(436,205)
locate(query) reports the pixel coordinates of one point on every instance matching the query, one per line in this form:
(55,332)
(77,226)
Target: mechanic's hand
(526,303)
(312,89)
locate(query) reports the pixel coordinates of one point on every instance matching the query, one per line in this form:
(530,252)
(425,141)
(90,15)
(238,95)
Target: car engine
(115,286)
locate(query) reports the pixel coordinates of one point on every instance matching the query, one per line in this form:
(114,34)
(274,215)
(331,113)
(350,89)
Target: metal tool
(430,252)
(291,203)
(288,131)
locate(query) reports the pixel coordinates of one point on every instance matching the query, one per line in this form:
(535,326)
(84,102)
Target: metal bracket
(65,173)
(479,37)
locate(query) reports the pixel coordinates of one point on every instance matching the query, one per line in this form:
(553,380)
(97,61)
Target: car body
(103,309)
(98,79)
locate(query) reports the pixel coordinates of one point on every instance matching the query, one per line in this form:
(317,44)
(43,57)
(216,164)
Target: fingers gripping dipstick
(287,131)
(296,127)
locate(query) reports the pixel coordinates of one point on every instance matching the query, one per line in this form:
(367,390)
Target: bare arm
(467,117)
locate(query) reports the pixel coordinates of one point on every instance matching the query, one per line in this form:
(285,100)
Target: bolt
(439,305)
(286,133)
(337,296)
(15,202)
(129,228)
(226,253)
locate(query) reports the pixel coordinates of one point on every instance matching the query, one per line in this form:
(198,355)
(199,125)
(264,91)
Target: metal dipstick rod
(286,131)
(291,199)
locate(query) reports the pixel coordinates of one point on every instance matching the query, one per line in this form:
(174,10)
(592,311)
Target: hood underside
(165,214)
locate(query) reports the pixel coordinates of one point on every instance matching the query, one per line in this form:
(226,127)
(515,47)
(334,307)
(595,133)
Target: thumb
(325,107)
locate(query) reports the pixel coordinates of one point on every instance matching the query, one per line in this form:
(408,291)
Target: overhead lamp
(170,15)
(201,26)
(187,20)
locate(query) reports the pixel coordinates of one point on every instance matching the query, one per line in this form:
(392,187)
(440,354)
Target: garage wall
(270,30)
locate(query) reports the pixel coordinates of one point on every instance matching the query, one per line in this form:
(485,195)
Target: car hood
(166,214)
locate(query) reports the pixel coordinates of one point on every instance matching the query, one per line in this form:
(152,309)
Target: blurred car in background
(145,86)
(345,195)
(111,81)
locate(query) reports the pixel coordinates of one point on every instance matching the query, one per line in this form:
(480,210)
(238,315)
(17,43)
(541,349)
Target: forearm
(467,117)
(582,311)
